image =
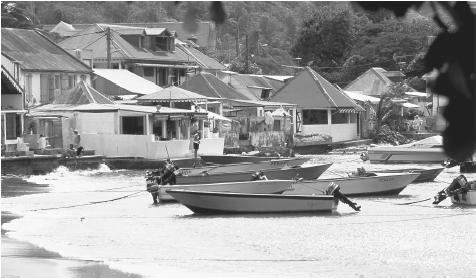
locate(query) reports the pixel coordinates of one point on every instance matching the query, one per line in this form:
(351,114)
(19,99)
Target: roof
(174,94)
(410,105)
(94,38)
(358,96)
(202,59)
(416,94)
(36,52)
(208,85)
(310,90)
(128,81)
(205,35)
(257,103)
(64,29)
(250,85)
(82,93)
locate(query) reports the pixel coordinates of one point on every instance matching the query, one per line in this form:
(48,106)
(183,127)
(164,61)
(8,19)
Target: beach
(23,259)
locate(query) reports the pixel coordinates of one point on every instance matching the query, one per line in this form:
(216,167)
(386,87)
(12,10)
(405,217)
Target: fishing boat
(426,151)
(426,174)
(250,187)
(236,158)
(460,191)
(382,183)
(220,203)
(311,171)
(266,165)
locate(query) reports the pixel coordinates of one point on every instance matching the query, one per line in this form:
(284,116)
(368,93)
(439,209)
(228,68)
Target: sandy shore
(23,259)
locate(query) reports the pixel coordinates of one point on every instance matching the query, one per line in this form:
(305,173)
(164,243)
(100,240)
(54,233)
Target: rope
(90,203)
(407,203)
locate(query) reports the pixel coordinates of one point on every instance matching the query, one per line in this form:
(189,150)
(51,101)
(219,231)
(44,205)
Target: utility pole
(108,47)
(247,54)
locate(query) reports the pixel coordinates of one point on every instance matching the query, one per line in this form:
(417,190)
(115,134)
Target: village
(244,139)
(131,90)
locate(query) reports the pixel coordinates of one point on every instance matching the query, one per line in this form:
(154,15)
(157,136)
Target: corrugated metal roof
(357,95)
(310,90)
(202,59)
(82,93)
(255,103)
(37,53)
(208,85)
(175,94)
(94,38)
(128,81)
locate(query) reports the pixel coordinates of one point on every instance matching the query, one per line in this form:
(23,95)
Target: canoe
(250,187)
(468,198)
(383,183)
(265,165)
(285,173)
(426,174)
(229,203)
(235,158)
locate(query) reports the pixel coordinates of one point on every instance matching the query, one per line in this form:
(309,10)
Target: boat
(250,187)
(265,165)
(382,183)
(426,174)
(236,158)
(460,191)
(225,203)
(285,173)
(426,151)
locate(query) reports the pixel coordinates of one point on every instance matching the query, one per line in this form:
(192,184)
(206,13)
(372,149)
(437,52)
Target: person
(42,142)
(196,145)
(77,142)
(71,151)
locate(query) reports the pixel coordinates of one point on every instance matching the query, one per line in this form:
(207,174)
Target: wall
(268,138)
(145,146)
(339,132)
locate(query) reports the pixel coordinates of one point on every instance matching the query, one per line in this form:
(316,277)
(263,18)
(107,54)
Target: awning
(347,110)
(410,105)
(416,94)
(166,66)
(128,81)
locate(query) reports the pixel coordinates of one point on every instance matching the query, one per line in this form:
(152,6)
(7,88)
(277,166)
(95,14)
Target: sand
(23,259)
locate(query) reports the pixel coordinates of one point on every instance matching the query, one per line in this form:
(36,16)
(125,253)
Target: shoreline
(17,254)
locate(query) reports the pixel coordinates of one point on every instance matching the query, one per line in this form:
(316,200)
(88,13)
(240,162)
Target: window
(314,116)
(353,118)
(28,92)
(133,125)
(162,77)
(161,44)
(339,118)
(148,71)
(277,125)
(265,93)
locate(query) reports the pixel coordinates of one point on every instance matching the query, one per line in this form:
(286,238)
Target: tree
(15,15)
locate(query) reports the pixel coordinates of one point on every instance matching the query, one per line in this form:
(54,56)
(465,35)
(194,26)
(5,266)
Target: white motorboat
(468,198)
(382,183)
(217,202)
(426,151)
(250,187)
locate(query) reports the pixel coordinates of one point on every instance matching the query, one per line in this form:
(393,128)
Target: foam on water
(129,234)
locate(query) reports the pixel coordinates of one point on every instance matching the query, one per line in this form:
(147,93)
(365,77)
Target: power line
(79,35)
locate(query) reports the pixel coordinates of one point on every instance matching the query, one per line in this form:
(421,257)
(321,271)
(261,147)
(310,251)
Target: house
(42,68)
(375,81)
(122,84)
(324,111)
(151,53)
(253,87)
(209,85)
(111,129)
(205,62)
(205,36)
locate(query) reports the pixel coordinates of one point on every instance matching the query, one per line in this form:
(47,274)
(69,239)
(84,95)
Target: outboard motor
(361,172)
(152,179)
(459,185)
(334,189)
(259,175)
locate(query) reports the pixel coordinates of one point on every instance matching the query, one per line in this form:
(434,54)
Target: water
(129,234)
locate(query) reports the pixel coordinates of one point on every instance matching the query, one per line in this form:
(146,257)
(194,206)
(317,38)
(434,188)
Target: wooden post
(108,47)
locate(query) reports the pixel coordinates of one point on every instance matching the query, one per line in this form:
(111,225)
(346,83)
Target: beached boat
(217,202)
(236,158)
(383,183)
(460,191)
(426,174)
(426,151)
(265,165)
(250,187)
(285,173)
(468,198)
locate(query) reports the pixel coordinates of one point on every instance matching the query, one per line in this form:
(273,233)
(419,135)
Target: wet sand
(23,259)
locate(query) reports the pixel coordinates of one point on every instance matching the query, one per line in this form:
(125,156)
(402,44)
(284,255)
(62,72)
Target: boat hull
(400,155)
(232,159)
(250,187)
(306,172)
(426,175)
(268,165)
(465,199)
(235,203)
(383,184)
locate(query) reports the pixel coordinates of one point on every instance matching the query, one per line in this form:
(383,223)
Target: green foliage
(15,15)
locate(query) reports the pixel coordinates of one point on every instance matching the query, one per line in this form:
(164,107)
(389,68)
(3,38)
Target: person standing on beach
(196,145)
(77,142)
